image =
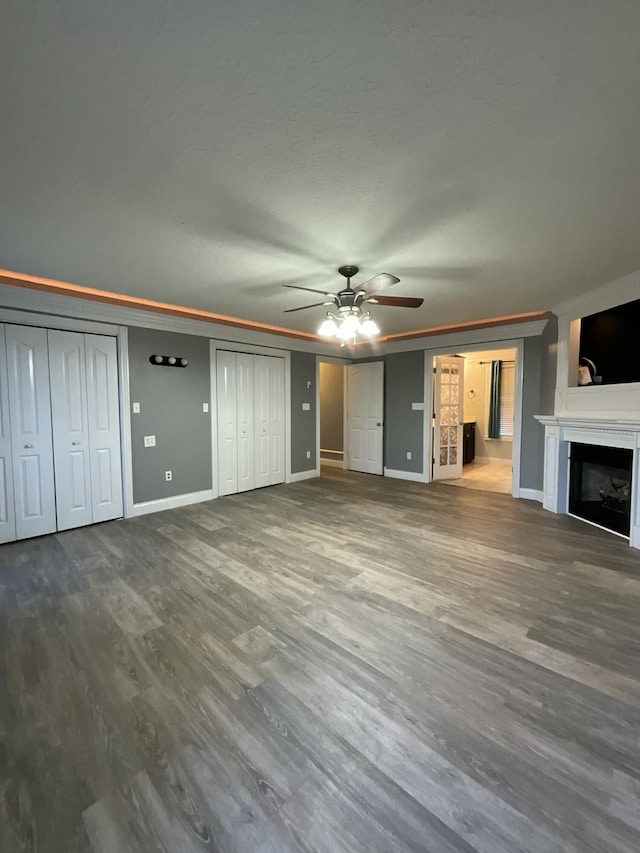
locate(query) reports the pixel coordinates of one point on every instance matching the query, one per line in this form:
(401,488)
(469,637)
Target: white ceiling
(204,153)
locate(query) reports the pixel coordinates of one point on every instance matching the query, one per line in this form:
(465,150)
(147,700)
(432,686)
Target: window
(502,384)
(507,394)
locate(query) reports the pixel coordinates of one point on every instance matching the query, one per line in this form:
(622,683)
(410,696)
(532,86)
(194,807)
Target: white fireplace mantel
(560,431)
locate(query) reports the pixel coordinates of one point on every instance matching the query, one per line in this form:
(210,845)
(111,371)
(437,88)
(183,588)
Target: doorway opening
(350,425)
(475,398)
(332,391)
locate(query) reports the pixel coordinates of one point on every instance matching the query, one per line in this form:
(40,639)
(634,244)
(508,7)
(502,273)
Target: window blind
(507,394)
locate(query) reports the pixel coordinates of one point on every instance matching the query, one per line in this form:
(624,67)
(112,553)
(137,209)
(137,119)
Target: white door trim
(214,346)
(124,391)
(518,345)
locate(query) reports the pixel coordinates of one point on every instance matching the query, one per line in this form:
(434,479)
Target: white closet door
(226,388)
(245,422)
(275,369)
(7,512)
(261,409)
(31,439)
(70,429)
(103,416)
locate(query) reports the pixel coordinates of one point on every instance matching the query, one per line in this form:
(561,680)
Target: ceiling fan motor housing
(349,270)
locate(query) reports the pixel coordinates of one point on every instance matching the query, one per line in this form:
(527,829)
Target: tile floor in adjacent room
(485,477)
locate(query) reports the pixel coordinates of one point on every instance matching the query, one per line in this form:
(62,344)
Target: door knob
(28,446)
(378,424)
(75,442)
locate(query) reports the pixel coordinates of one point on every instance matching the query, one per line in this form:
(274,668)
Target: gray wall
(303,424)
(403,427)
(171,401)
(539,379)
(332,408)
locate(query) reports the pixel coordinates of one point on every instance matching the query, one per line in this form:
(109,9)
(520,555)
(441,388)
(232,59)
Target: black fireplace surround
(600,485)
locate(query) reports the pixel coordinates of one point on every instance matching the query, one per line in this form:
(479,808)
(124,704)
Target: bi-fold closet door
(86,428)
(60,463)
(250,418)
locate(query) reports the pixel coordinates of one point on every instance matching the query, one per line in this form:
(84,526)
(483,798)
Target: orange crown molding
(491,322)
(47,285)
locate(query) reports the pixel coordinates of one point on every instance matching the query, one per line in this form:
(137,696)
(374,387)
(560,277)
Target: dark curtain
(494,400)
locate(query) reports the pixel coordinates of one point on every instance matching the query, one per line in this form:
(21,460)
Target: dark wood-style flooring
(345,664)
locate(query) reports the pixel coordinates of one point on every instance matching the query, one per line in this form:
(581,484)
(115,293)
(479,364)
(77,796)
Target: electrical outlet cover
(149,441)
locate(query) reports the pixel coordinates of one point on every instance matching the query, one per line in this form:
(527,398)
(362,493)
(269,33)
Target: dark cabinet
(468,443)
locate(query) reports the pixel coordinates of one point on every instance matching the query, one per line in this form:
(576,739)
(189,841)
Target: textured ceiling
(486,151)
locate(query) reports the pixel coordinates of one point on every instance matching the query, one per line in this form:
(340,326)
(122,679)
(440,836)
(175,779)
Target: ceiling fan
(352,318)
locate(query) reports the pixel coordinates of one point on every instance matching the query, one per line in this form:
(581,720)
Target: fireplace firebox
(600,485)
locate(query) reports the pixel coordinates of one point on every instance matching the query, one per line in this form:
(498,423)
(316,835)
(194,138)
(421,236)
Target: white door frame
(327,359)
(252,349)
(121,333)
(518,346)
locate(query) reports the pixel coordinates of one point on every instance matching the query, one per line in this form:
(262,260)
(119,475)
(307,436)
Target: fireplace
(600,485)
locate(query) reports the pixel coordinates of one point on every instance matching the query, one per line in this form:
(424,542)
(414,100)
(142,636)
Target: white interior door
(226,393)
(365,404)
(448,399)
(246,428)
(31,435)
(71,454)
(261,414)
(275,398)
(103,417)
(7,510)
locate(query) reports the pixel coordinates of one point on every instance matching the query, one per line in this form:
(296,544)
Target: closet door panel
(7,513)
(103,417)
(245,422)
(276,420)
(70,429)
(226,391)
(31,434)
(261,398)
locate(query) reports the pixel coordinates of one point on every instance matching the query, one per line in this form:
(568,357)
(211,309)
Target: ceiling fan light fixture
(350,325)
(369,327)
(328,327)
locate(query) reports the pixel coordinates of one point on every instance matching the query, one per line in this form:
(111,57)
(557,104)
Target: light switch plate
(149,441)
(408,454)
(417,407)
(308,454)
(306,407)
(136,408)
(205,407)
(308,383)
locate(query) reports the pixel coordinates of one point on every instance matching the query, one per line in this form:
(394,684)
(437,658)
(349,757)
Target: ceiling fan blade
(378,282)
(308,289)
(397,301)
(304,307)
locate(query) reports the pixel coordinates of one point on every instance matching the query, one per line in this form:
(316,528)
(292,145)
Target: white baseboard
(172,503)
(531,494)
(416,477)
(493,460)
(334,463)
(304,475)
